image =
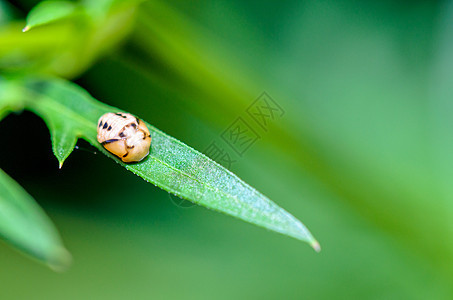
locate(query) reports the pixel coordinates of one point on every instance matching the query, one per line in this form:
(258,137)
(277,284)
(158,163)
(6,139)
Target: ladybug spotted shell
(124,135)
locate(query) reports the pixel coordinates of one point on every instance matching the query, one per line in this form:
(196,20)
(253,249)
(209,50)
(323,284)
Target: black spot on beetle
(100,124)
(118,114)
(138,120)
(134,125)
(121,134)
(105,125)
(109,141)
(125,154)
(110,128)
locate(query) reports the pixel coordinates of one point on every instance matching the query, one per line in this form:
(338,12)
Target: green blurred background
(363,155)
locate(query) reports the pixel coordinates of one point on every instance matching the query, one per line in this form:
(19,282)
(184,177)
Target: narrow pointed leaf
(49,11)
(25,225)
(64,138)
(10,99)
(171,165)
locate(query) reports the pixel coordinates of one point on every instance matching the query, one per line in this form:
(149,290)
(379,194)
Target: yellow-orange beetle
(124,135)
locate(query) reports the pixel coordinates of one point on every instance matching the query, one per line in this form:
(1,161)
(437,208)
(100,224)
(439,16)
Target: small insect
(124,135)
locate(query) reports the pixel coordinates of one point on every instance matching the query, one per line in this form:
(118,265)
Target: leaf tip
(62,261)
(315,245)
(26,28)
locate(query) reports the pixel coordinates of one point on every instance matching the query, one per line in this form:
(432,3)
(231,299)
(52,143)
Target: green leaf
(49,11)
(25,225)
(64,139)
(9,99)
(171,165)
(100,8)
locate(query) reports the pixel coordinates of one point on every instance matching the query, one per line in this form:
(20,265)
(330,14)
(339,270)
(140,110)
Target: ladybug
(124,135)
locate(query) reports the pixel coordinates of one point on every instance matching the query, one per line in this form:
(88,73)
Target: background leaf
(171,165)
(26,226)
(49,11)
(10,99)
(86,31)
